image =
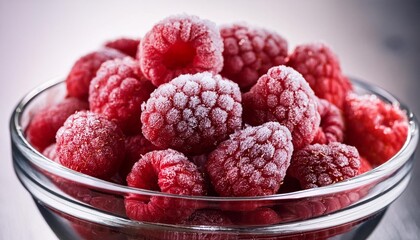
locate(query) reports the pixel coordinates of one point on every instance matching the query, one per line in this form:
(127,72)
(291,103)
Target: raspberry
(321,165)
(192,113)
(253,162)
(283,95)
(321,68)
(91,144)
(170,172)
(84,70)
(377,129)
(44,125)
(332,123)
(249,52)
(179,45)
(117,92)
(127,46)
(135,147)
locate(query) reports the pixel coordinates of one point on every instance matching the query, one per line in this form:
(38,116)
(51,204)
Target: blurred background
(376,41)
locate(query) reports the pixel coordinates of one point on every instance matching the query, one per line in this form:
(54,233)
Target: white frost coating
(162,103)
(270,169)
(191,88)
(207,80)
(165,90)
(219,116)
(272,101)
(201,112)
(173,116)
(180,100)
(225,86)
(225,102)
(247,143)
(194,102)
(287,98)
(263,134)
(209,98)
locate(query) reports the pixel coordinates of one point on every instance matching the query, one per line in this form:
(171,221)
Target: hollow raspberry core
(180,55)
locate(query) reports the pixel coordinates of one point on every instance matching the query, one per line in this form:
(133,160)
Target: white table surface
(377,41)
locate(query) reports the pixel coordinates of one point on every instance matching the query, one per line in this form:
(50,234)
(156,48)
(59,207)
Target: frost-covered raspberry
(321,165)
(117,92)
(45,123)
(209,217)
(257,217)
(332,125)
(167,171)
(91,144)
(178,45)
(249,52)
(127,46)
(321,68)
(51,152)
(253,162)
(284,96)
(84,70)
(376,128)
(192,113)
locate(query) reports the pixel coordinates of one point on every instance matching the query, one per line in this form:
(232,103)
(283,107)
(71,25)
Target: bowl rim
(386,169)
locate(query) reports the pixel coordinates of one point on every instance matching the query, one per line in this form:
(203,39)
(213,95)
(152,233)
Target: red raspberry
(170,172)
(45,123)
(332,123)
(179,45)
(321,165)
(84,70)
(192,113)
(135,147)
(117,92)
(249,52)
(127,46)
(283,95)
(378,130)
(321,68)
(253,162)
(91,144)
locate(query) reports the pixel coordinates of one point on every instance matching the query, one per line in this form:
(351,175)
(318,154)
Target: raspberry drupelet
(284,96)
(321,68)
(91,144)
(181,44)
(117,92)
(377,129)
(192,113)
(167,171)
(45,123)
(249,52)
(84,70)
(253,162)
(321,165)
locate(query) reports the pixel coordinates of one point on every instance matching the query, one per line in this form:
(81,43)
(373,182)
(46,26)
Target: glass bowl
(77,206)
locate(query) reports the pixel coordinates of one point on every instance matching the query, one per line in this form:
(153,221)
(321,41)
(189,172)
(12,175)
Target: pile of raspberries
(197,109)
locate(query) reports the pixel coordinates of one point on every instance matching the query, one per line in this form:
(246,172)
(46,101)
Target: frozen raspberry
(208,217)
(249,52)
(365,165)
(377,129)
(258,217)
(117,92)
(332,123)
(192,113)
(321,165)
(321,68)
(84,70)
(45,123)
(167,171)
(135,147)
(283,95)
(127,46)
(253,162)
(51,152)
(91,144)
(179,45)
